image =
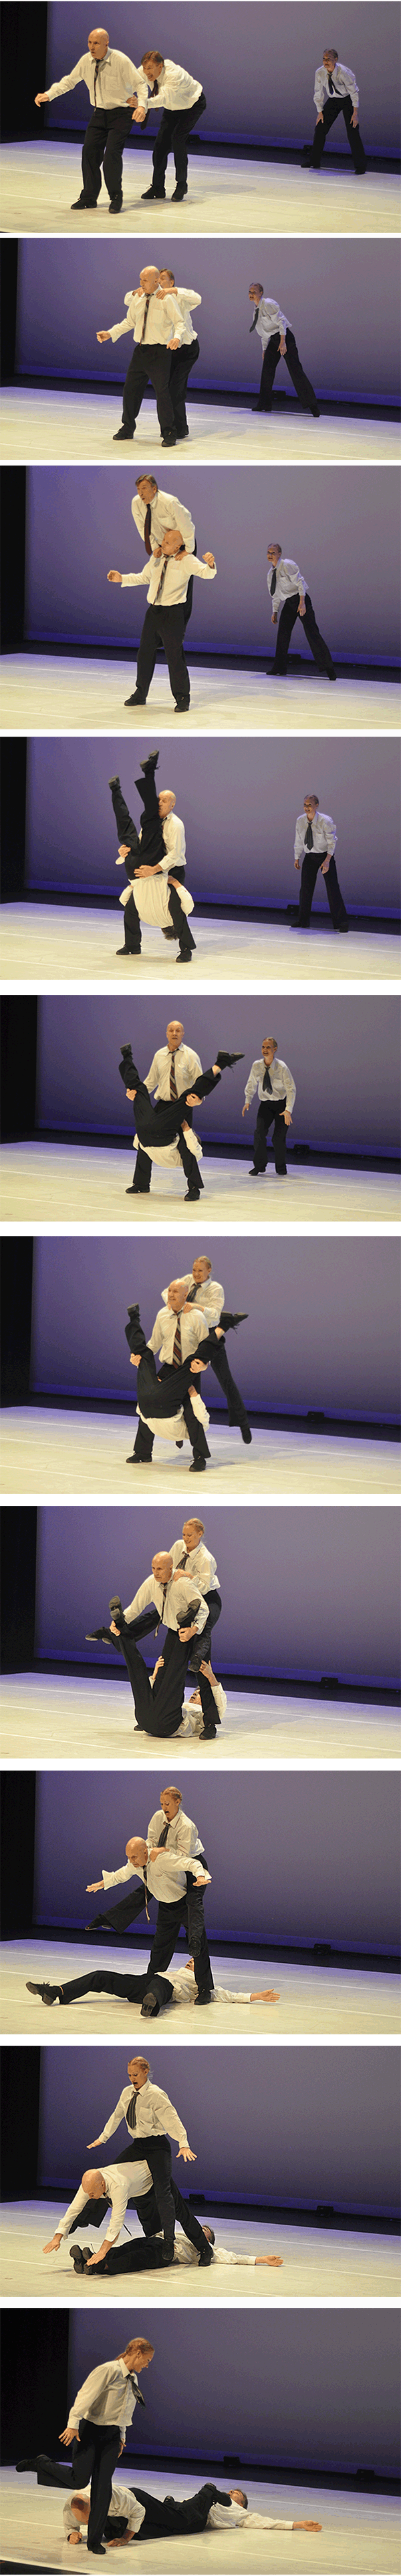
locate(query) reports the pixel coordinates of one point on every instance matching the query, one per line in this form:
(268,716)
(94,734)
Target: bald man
(158,327)
(116,90)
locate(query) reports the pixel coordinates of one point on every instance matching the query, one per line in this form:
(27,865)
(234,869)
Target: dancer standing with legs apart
(278,342)
(141,2173)
(166,1876)
(115,86)
(207,1293)
(158,328)
(172,1599)
(182,101)
(335,93)
(315,842)
(159,1129)
(291,599)
(166,580)
(276,1094)
(155,867)
(97,2426)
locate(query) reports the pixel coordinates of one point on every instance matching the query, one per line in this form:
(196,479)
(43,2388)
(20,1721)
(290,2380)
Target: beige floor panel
(359,2536)
(47,1717)
(56,941)
(45,1452)
(316,2264)
(43,1184)
(40,180)
(45,693)
(340,2002)
(71,428)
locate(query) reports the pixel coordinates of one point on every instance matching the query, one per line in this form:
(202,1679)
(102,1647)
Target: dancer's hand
(188,2156)
(114,576)
(42,95)
(266,1995)
(98,2258)
(135,1356)
(93,1887)
(69,2434)
(324,866)
(354,118)
(273,2259)
(301,607)
(93,2142)
(193,1102)
(103,335)
(307,2526)
(245,1107)
(186,1633)
(158,1667)
(274,617)
(197,1366)
(114,1632)
(139,114)
(297,863)
(319,121)
(123,852)
(286,1115)
(283,344)
(209,559)
(130,1095)
(173,344)
(53,2245)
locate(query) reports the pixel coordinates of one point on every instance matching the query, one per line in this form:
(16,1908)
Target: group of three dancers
(166,348)
(170,544)
(155,864)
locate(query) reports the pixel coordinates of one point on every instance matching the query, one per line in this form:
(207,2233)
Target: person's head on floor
(209,2233)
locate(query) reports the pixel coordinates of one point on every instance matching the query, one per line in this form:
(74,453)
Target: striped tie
(177,1345)
(173,1085)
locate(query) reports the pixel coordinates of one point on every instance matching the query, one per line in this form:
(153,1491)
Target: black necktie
(161,1612)
(147,529)
(137,2391)
(331,85)
(177,1345)
(131,2113)
(173,1085)
(163,1837)
(309,838)
(253,324)
(97,69)
(147,303)
(145,1882)
(266,1080)
(155,91)
(273,584)
(191,1295)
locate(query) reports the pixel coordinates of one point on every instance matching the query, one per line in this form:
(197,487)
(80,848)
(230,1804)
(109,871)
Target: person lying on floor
(154,1998)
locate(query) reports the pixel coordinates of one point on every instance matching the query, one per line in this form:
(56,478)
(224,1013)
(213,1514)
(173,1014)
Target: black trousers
(189,1911)
(309,873)
(133,2256)
(164,2516)
(270,1114)
(338,107)
(176,125)
(181,363)
(200,1647)
(217,1357)
(150,850)
(149,365)
(104,140)
(271,355)
(95,2457)
(112,1981)
(164,626)
(287,619)
(157,1711)
(144,1443)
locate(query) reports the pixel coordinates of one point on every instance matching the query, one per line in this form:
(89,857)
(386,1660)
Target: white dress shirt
(192,1717)
(185,1989)
(164,320)
(210,1294)
(167,512)
(154,2114)
(118,2179)
(270,320)
(288,579)
(222,2517)
(117,78)
(151,898)
(200,1562)
(282,1081)
(324,834)
(174,844)
(344,85)
(187,299)
(178,572)
(176,1605)
(182,1835)
(166,1877)
(184,2252)
(176,88)
(186,1067)
(107,2397)
(121,2501)
(193,1330)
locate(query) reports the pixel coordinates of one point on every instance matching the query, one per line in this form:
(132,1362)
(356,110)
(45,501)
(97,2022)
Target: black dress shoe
(206,2255)
(115,204)
(133,1312)
(122,433)
(206,1732)
(185,956)
(24,2464)
(150,2006)
(182,706)
(223,1059)
(180,435)
(136,701)
(170,439)
(178,194)
(150,763)
(77,2257)
(204,1995)
(134,1193)
(114,782)
(191,1194)
(128,952)
(49,1994)
(168,2250)
(198,1467)
(88,202)
(147,193)
(132,1461)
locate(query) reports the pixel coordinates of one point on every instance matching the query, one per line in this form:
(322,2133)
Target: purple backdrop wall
(344,1055)
(303,2389)
(329,1595)
(242,801)
(79,523)
(257,67)
(314,1859)
(341,1359)
(67,290)
(296,2124)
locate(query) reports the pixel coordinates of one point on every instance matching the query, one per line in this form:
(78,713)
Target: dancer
(155,866)
(160,1129)
(291,600)
(206,1292)
(278,342)
(132,2509)
(174,1831)
(144,2168)
(178,1331)
(192,1711)
(315,842)
(335,94)
(190,1556)
(165,1875)
(153,511)
(158,1696)
(135,2257)
(157,326)
(154,1995)
(185,357)
(97,2426)
(115,86)
(165,621)
(174,1067)
(182,101)
(276,1091)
